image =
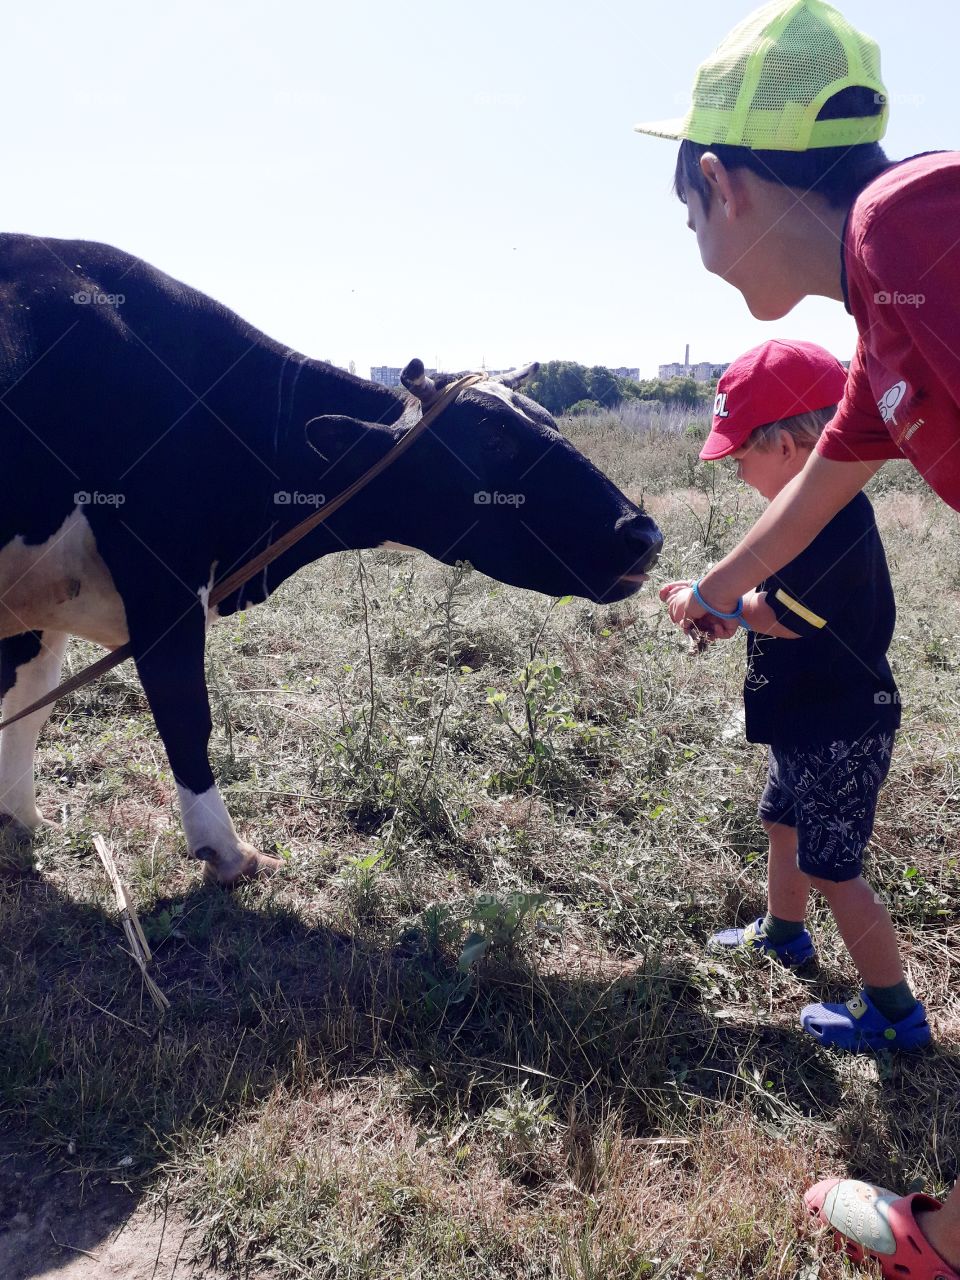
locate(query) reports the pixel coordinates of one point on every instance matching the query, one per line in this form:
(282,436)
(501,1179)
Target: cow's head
(494,482)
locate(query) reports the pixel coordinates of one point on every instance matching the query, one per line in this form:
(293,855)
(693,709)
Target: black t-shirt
(834,682)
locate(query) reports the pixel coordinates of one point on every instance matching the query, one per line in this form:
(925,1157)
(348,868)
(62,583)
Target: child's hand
(693,620)
(675,596)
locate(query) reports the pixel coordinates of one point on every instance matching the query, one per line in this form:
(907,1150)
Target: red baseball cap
(777,380)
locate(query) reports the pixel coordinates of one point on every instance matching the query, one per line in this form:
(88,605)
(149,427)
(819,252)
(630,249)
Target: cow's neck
(308,485)
(291,391)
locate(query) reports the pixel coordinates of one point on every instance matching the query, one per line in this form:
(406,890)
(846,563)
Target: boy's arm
(758,616)
(791,522)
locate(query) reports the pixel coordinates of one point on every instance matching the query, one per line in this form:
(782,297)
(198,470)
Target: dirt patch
(56,1226)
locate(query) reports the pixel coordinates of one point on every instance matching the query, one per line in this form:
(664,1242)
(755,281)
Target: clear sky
(375,180)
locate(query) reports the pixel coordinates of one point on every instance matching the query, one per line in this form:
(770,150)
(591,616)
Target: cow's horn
(414,378)
(517,377)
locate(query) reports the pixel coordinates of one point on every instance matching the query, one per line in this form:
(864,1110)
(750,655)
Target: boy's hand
(691,617)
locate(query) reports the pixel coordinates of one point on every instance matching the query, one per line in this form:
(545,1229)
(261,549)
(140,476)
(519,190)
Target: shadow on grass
(95,1079)
(909,1119)
(912,1122)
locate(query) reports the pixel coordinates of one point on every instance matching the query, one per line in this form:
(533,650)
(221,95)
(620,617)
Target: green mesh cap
(765,84)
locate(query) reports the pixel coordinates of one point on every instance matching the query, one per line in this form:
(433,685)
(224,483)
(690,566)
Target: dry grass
(332,1093)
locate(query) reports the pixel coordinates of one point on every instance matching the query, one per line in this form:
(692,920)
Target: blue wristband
(736,616)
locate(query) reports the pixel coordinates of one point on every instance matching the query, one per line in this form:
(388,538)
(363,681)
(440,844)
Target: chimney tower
(686,357)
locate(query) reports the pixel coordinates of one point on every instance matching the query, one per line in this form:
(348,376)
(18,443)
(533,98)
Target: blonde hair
(804,429)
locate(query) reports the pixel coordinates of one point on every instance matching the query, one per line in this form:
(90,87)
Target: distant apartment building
(704,371)
(627,373)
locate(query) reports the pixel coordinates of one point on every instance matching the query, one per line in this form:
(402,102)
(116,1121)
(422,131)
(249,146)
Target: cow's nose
(644,538)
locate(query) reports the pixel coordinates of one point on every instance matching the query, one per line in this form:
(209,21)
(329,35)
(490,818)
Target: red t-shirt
(901,255)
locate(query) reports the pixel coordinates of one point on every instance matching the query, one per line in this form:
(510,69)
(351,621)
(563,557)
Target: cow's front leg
(29,668)
(168,651)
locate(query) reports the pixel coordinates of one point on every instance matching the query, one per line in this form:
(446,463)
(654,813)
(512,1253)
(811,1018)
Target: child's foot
(859,1027)
(795,952)
(871,1222)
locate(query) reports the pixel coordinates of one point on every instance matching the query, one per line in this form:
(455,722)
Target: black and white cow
(153,442)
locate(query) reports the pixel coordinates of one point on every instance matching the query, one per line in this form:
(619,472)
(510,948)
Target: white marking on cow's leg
(18,744)
(212,837)
(205,819)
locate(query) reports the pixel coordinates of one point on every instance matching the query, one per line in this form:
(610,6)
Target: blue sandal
(795,952)
(859,1027)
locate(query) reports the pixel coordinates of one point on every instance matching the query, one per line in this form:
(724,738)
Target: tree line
(563,386)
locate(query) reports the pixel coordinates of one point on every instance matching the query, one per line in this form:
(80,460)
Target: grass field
(472,1029)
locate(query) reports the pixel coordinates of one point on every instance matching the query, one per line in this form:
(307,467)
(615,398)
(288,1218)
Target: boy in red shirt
(790,194)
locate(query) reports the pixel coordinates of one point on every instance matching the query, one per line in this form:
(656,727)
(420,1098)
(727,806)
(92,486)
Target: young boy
(790,194)
(819,691)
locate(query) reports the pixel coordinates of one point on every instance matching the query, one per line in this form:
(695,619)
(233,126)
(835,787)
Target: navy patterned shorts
(829,793)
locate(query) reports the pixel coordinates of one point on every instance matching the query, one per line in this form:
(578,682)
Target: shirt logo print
(890,401)
(755,680)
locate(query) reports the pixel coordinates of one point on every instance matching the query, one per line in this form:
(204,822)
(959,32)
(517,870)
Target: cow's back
(106,362)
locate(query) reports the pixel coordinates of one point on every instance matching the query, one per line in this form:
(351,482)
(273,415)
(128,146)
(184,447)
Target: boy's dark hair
(838,174)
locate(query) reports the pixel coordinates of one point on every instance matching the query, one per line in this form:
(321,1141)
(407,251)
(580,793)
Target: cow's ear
(414,378)
(515,378)
(340,439)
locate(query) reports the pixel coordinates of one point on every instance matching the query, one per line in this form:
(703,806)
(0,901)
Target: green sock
(778,931)
(893,1002)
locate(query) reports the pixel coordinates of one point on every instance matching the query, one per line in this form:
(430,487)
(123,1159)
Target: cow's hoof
(20,831)
(236,865)
(17,842)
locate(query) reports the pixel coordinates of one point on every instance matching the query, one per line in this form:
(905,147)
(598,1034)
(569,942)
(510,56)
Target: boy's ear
(788,445)
(726,192)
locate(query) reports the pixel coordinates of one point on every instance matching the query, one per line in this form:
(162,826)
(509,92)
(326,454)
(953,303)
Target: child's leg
(781,931)
(836,801)
(787,887)
(866,928)
(942,1228)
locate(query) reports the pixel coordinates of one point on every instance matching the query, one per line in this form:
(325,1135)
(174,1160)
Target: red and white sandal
(871,1222)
